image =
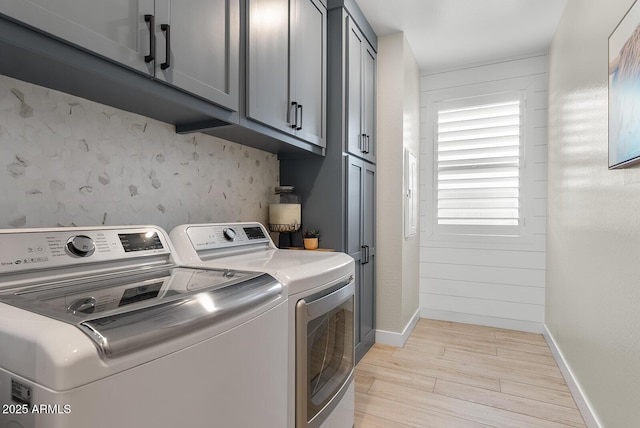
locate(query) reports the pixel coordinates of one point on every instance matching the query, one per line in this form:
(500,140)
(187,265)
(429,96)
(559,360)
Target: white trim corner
(398,339)
(583,403)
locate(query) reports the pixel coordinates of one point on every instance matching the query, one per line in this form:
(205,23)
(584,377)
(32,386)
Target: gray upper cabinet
(361,75)
(286,66)
(308,69)
(114,29)
(355,131)
(268,62)
(369,102)
(201,38)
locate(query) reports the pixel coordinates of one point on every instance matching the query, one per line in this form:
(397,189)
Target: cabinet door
(369,101)
(268,62)
(369,206)
(367,317)
(355,176)
(355,133)
(202,40)
(361,246)
(115,29)
(308,65)
(367,288)
(361,99)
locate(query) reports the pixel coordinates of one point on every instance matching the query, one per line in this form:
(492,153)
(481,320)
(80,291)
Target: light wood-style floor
(460,375)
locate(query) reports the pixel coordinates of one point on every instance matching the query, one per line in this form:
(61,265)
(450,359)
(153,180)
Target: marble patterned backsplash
(67,161)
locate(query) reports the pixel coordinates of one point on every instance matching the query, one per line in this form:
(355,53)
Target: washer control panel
(52,248)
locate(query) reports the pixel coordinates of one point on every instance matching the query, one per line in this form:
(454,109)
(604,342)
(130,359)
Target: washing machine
(321,295)
(100,328)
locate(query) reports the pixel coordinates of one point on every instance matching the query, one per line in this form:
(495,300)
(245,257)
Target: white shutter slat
(467,134)
(482,203)
(479,153)
(475,163)
(478,222)
(479,193)
(494,213)
(508,141)
(477,174)
(490,110)
(486,183)
(481,123)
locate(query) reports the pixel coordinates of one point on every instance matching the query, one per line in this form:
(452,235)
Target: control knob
(80,246)
(229,234)
(84,305)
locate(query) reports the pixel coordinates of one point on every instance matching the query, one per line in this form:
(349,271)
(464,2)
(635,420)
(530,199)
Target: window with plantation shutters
(478,164)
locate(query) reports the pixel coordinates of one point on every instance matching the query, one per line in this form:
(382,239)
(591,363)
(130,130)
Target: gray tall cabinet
(339,191)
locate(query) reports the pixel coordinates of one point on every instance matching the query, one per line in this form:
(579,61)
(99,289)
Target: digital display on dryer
(140,241)
(254,232)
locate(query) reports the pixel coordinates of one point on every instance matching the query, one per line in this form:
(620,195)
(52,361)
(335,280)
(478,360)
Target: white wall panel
(488,274)
(538,224)
(539,187)
(539,154)
(540,118)
(535,241)
(497,258)
(539,207)
(484,291)
(485,307)
(540,173)
(530,326)
(499,71)
(540,136)
(496,281)
(541,98)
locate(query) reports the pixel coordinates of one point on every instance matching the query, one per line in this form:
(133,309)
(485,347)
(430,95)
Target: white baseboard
(398,339)
(510,324)
(580,398)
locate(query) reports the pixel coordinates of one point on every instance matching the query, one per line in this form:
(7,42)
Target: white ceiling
(445,34)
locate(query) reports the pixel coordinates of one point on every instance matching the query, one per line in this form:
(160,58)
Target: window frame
(520,234)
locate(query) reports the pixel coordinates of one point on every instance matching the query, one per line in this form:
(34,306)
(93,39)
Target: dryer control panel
(195,243)
(219,236)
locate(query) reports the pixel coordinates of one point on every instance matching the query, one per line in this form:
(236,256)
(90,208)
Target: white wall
(397,129)
(496,282)
(69,161)
(593,247)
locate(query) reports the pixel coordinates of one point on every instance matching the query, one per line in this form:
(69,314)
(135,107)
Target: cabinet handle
(368,144)
(294,123)
(167,59)
(367,253)
(152,38)
(300,108)
(363,142)
(363,255)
